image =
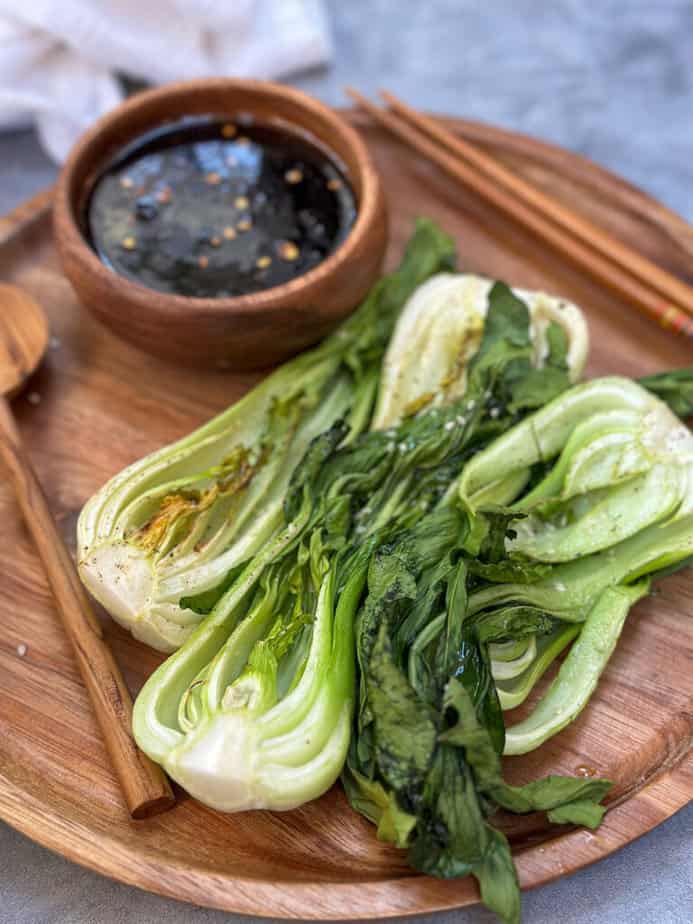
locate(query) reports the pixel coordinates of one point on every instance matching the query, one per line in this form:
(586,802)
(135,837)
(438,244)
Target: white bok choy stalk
(160,542)
(426,362)
(607,504)
(254,710)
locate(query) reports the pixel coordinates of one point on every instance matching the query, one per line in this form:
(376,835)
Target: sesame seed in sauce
(229,233)
(215,241)
(213,178)
(334,183)
(126,182)
(241,202)
(293,176)
(129,243)
(245,224)
(203,262)
(263,262)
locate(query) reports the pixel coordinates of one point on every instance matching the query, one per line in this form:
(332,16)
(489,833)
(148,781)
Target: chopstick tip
(360,100)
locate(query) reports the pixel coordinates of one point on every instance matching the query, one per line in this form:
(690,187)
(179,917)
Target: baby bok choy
(606,505)
(161,541)
(549,536)
(427,361)
(255,709)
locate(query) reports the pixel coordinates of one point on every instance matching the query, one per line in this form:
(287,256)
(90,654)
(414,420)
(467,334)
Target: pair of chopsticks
(640,282)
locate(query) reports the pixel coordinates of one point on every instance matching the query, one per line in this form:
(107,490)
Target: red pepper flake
(289,251)
(228,130)
(334,184)
(203,262)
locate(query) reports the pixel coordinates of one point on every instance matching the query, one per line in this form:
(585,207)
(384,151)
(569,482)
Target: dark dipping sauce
(216,208)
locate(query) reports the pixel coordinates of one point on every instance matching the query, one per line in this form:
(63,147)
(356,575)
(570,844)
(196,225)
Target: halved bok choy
(561,523)
(607,504)
(255,709)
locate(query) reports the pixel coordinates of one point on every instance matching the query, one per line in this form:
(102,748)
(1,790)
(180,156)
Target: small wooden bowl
(244,332)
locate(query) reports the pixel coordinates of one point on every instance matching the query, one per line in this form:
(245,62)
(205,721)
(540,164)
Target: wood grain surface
(97,404)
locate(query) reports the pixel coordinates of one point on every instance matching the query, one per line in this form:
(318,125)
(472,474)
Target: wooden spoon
(23,339)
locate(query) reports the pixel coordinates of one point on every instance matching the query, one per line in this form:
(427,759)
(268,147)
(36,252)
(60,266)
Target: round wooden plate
(97,404)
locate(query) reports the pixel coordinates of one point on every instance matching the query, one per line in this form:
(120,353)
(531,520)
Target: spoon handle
(145,788)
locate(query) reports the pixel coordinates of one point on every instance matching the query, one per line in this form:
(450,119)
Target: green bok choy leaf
(674,387)
(424,759)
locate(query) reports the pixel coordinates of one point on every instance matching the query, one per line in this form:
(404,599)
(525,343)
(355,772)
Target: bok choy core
(161,541)
(255,709)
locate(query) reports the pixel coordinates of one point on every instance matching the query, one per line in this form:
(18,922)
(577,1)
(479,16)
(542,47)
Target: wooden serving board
(97,404)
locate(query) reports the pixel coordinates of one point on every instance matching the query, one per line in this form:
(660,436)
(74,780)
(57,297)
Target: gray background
(612,80)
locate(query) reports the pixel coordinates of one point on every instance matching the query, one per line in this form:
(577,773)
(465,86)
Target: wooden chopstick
(530,213)
(145,788)
(639,266)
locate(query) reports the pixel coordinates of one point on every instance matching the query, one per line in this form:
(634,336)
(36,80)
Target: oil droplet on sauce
(584,770)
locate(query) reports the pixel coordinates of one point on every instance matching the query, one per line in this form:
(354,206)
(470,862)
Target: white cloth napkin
(58,57)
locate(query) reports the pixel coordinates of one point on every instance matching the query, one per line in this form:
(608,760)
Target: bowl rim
(68,226)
